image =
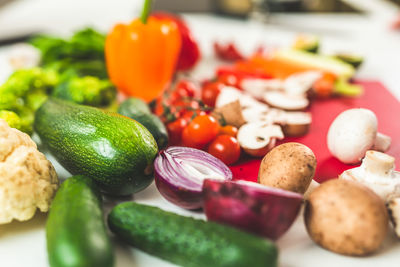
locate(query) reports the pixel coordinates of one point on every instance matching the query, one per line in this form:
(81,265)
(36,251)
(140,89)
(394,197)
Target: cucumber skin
(75,230)
(187,241)
(115,151)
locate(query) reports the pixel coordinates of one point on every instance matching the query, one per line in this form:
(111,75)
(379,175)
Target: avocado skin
(75,230)
(189,242)
(113,150)
(138,110)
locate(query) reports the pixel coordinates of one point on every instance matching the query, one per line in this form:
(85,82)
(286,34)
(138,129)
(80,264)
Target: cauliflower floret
(27,179)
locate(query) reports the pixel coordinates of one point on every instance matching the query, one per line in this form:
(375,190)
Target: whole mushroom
(290,166)
(377,173)
(394,212)
(352,133)
(346,217)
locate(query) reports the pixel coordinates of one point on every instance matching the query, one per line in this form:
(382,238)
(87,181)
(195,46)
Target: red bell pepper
(190,53)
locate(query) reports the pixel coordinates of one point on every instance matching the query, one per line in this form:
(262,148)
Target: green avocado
(138,110)
(189,242)
(113,150)
(75,230)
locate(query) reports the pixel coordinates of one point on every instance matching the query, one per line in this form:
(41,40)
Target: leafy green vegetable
(83,52)
(72,69)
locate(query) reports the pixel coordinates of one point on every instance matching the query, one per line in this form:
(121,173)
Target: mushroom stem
(382,142)
(378,163)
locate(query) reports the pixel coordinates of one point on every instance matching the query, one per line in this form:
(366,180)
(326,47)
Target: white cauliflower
(27,179)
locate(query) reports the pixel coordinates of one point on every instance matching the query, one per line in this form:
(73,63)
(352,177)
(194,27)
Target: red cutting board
(376,98)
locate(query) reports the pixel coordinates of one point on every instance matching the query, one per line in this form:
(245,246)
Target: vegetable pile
(185,133)
(72,69)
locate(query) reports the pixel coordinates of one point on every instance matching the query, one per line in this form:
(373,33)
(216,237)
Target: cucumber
(187,241)
(75,231)
(138,110)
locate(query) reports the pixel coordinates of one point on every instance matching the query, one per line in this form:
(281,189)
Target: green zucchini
(113,150)
(187,241)
(137,109)
(75,230)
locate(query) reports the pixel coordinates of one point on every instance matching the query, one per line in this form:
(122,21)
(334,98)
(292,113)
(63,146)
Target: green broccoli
(27,116)
(24,92)
(12,119)
(22,121)
(86,90)
(18,87)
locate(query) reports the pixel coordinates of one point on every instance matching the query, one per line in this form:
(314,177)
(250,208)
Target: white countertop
(23,244)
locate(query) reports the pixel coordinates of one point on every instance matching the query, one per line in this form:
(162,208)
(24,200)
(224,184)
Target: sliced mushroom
(256,138)
(301,83)
(296,123)
(256,113)
(376,172)
(228,95)
(230,113)
(257,87)
(394,214)
(286,101)
(352,133)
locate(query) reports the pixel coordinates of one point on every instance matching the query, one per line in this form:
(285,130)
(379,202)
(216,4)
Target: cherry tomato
(226,148)
(187,140)
(210,92)
(175,130)
(201,130)
(228,130)
(188,115)
(186,88)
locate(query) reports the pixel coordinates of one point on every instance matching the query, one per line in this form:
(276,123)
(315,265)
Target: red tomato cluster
(204,132)
(189,124)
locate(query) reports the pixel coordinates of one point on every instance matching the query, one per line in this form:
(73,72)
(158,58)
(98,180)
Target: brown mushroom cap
(346,217)
(290,166)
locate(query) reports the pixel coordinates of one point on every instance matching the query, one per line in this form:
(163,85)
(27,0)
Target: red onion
(252,207)
(180,171)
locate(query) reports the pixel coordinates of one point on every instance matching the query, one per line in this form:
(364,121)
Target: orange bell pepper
(141,57)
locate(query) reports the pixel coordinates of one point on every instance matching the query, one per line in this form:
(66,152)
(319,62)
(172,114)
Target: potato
(346,217)
(290,166)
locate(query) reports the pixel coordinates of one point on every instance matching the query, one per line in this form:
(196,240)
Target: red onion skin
(187,198)
(267,214)
(184,198)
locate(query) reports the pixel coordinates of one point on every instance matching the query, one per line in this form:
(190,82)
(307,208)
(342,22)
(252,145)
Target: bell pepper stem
(145,11)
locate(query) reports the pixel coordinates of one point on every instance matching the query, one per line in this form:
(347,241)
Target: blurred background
(366,27)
